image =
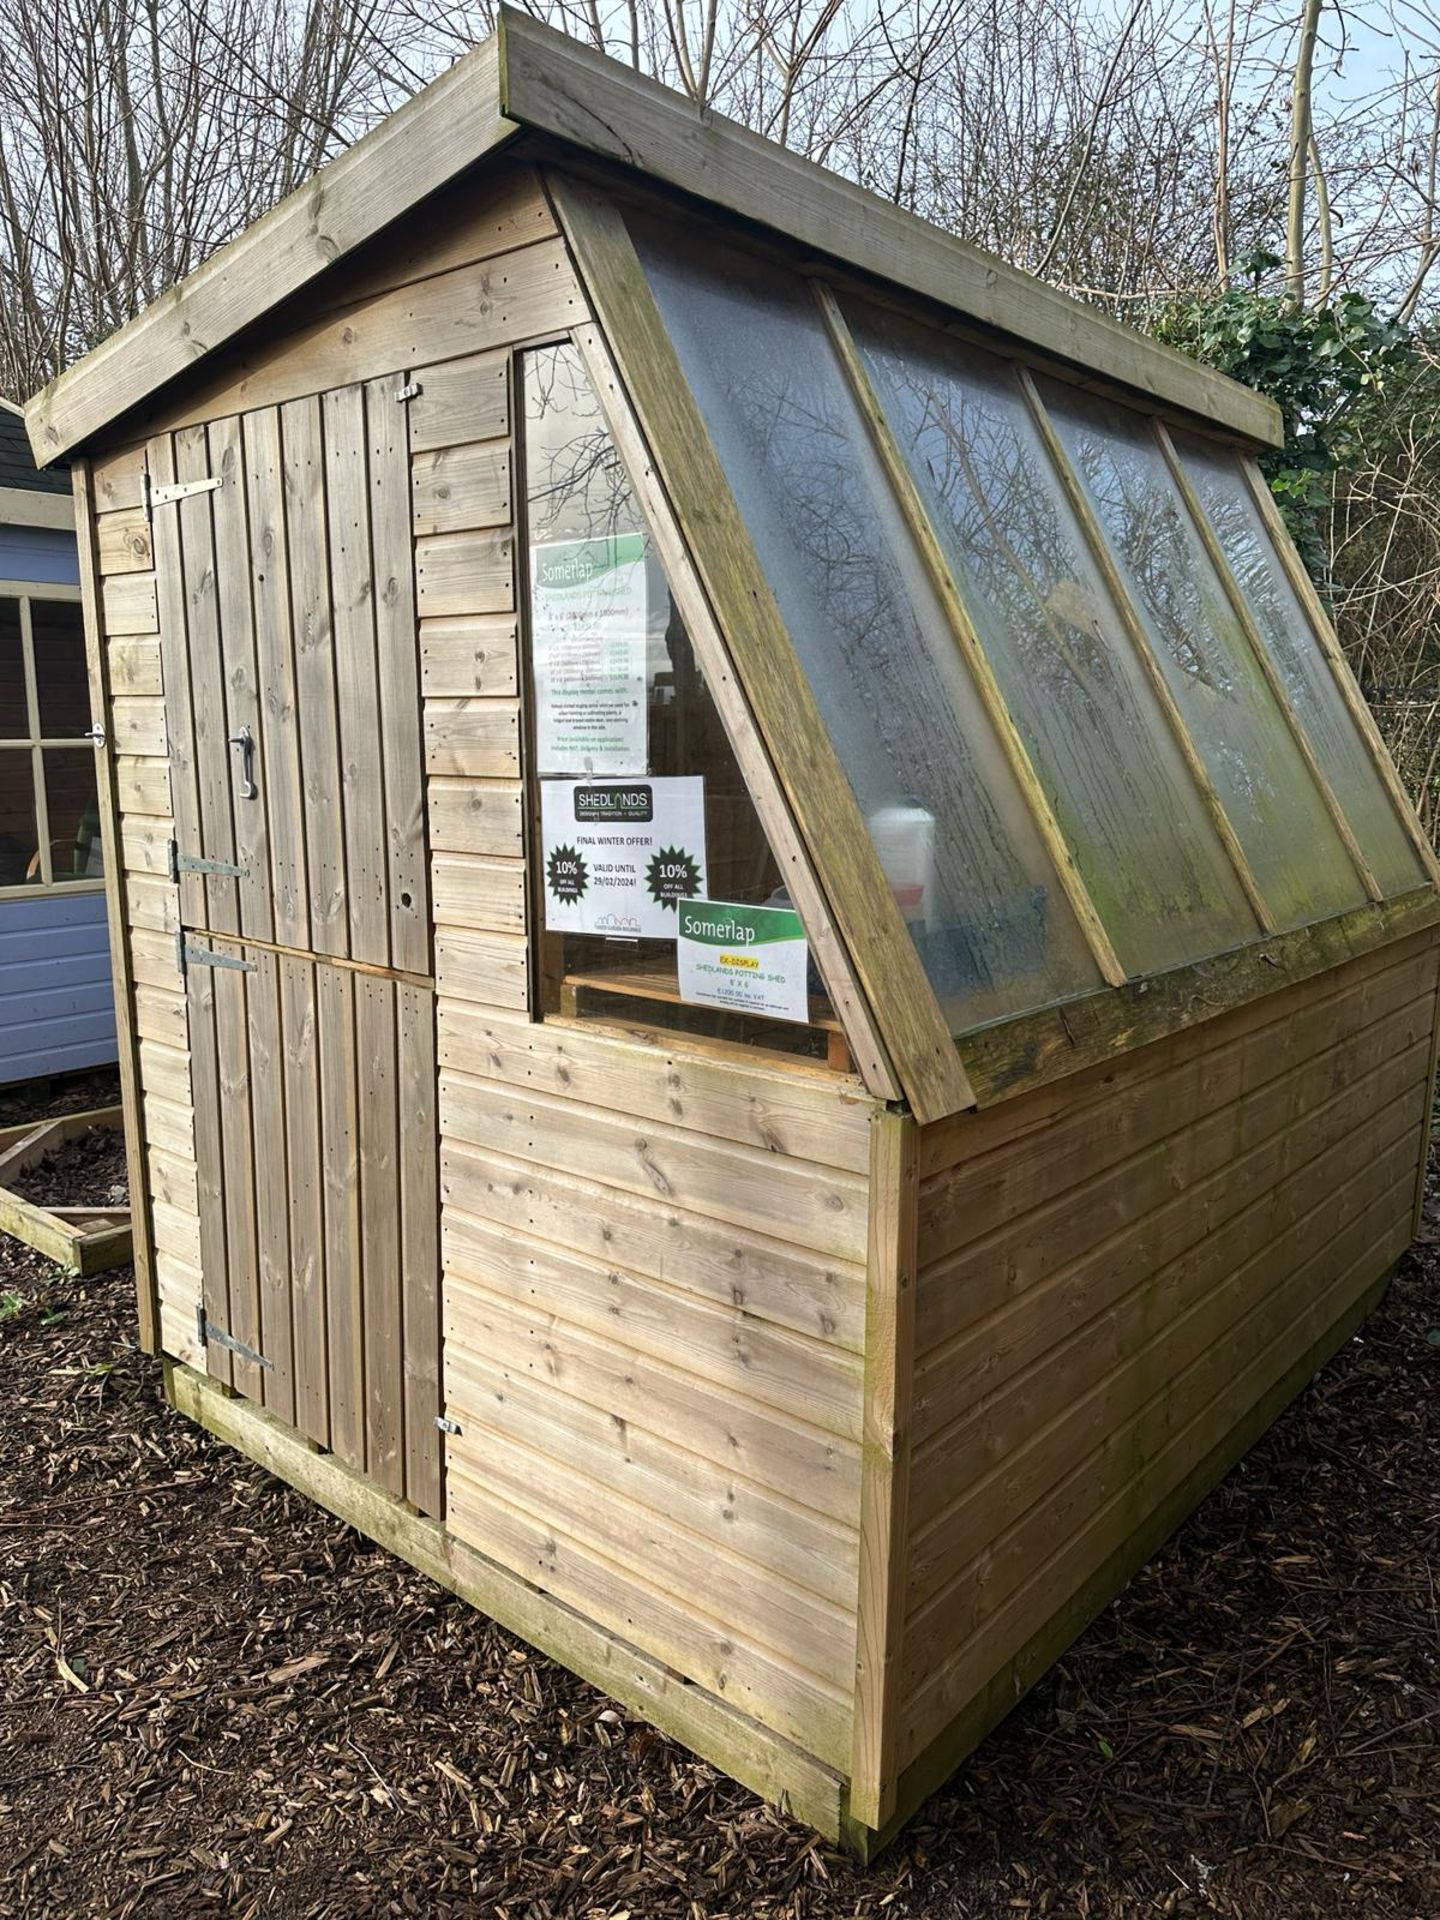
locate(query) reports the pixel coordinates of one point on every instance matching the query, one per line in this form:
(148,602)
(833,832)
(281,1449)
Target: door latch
(245,741)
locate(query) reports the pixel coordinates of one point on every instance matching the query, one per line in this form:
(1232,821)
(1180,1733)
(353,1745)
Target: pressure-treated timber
(772,1766)
(846,996)
(823,803)
(1022,1053)
(528,74)
(556,86)
(81,1239)
(808,1424)
(118,889)
(1012,1680)
(885,1469)
(1117,1269)
(410,154)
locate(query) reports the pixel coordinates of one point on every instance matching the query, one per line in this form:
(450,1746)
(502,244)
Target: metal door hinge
(410,391)
(208,1333)
(447,1426)
(193,863)
(207,957)
(152,496)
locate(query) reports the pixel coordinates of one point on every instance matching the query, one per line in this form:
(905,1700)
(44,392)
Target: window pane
(1306,673)
(642,800)
(70,800)
(14,716)
(992,926)
(61,679)
(1101,745)
(1242,736)
(19,846)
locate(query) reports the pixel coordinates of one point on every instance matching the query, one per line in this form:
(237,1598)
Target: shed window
(1243,734)
(49,816)
(1081,704)
(967,867)
(1098,738)
(643,811)
(1309,682)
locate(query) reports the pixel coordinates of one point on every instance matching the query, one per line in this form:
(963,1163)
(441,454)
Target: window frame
(938,1078)
(24,594)
(867,1051)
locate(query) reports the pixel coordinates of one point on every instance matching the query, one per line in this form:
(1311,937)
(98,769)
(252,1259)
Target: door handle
(245,741)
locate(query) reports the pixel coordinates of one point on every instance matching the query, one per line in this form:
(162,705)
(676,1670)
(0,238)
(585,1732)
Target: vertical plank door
(286,588)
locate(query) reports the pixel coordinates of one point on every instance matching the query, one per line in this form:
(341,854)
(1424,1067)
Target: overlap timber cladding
(654,1328)
(130,634)
(1113,1272)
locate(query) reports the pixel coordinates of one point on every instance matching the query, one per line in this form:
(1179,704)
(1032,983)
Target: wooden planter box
(83,1240)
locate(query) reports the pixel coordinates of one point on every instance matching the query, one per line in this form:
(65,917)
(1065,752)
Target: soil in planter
(88,1171)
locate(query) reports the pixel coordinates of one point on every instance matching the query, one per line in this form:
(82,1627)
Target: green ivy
(1315,363)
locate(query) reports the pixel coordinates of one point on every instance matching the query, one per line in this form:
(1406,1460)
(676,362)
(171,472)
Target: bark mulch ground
(214,1699)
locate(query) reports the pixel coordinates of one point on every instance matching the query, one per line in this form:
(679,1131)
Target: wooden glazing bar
(1357,706)
(1256,642)
(1139,638)
(820,797)
(992,699)
(844,989)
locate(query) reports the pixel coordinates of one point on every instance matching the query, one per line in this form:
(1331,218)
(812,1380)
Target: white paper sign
(588,617)
(620,854)
(748,959)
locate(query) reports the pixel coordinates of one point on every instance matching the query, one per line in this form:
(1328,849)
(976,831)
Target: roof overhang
(530,77)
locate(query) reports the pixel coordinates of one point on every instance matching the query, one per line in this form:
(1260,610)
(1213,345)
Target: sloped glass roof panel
(993,928)
(1149,853)
(1344,757)
(1243,736)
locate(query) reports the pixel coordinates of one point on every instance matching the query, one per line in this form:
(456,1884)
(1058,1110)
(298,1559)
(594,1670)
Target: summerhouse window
(49,816)
(641,814)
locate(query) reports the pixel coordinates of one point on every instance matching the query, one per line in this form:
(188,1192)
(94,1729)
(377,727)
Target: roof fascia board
(446,128)
(556,86)
(29,507)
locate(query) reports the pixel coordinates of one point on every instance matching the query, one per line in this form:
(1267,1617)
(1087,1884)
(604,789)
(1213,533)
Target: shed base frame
(1008,1687)
(739,1746)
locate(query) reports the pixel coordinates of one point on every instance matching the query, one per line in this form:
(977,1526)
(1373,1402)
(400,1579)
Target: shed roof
(527,78)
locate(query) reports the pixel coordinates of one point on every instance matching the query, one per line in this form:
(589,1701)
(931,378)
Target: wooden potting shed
(774,989)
